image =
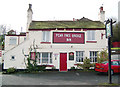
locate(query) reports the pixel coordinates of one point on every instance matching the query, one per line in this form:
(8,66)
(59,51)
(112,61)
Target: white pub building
(61,44)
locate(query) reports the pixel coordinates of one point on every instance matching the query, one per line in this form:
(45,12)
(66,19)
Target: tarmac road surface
(58,78)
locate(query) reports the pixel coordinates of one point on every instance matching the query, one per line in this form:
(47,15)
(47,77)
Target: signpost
(109,34)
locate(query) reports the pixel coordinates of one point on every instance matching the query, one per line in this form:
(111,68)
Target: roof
(80,23)
(11,32)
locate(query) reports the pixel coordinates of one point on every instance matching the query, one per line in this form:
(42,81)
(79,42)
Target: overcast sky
(14,12)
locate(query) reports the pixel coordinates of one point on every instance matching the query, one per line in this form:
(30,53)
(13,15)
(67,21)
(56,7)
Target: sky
(14,12)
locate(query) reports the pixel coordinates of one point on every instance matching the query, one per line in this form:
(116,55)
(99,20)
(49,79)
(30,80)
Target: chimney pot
(73,19)
(30,6)
(101,8)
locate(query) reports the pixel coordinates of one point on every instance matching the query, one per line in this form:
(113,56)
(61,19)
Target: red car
(103,67)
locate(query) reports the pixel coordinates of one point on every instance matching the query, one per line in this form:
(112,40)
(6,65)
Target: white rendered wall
(19,40)
(54,48)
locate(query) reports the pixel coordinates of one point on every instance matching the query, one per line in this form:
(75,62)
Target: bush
(36,68)
(86,64)
(32,66)
(40,68)
(73,68)
(92,65)
(102,56)
(11,70)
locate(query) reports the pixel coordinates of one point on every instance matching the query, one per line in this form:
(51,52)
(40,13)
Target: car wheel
(112,72)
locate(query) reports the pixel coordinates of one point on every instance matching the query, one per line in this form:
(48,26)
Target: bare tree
(2,29)
(116,32)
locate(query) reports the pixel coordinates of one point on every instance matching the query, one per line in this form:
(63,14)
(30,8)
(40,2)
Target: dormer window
(12,32)
(46,36)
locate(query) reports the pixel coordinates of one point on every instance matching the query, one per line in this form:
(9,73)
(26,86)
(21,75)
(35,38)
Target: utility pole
(109,34)
(109,56)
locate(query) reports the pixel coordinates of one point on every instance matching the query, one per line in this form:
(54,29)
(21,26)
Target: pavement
(58,78)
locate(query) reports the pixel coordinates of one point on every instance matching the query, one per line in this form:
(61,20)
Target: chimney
(101,14)
(29,17)
(30,7)
(73,19)
(101,8)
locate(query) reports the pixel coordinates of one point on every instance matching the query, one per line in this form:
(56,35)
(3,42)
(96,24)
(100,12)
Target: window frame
(93,56)
(91,35)
(81,58)
(11,39)
(45,36)
(40,58)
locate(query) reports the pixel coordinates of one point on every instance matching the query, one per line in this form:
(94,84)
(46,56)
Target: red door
(63,61)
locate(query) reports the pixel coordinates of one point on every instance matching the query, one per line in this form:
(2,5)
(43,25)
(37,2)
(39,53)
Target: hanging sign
(108,30)
(32,55)
(71,56)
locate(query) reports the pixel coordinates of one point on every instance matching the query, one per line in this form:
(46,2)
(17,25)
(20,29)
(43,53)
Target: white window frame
(13,40)
(40,58)
(93,56)
(45,36)
(91,35)
(79,56)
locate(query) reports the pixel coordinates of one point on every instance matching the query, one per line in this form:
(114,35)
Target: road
(58,78)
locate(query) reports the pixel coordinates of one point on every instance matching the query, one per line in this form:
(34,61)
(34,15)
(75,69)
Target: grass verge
(107,84)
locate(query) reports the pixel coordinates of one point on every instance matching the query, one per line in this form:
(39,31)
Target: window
(90,35)
(79,56)
(46,36)
(115,63)
(93,56)
(12,40)
(119,62)
(44,58)
(12,57)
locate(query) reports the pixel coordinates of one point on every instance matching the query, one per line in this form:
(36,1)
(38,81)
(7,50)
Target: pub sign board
(32,55)
(69,37)
(71,56)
